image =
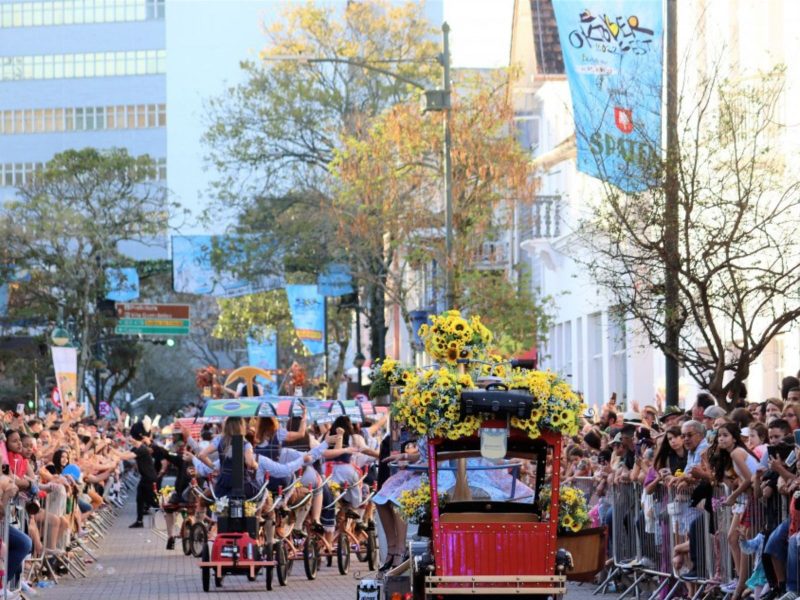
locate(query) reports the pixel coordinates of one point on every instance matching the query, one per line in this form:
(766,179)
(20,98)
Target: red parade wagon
(490,547)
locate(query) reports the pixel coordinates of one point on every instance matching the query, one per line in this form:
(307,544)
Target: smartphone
(20,409)
(791,459)
(797,437)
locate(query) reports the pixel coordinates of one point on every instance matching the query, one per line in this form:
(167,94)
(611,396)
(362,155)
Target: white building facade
(596,352)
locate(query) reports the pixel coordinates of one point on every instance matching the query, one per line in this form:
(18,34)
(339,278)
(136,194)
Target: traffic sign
(152,319)
(140,310)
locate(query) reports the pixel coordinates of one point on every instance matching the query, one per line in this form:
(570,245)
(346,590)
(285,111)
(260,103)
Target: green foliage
(65,228)
(518,318)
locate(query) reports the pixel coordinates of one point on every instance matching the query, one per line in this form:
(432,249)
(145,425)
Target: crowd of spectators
(748,448)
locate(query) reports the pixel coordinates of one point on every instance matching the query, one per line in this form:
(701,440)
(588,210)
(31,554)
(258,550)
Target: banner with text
(197,266)
(65,364)
(308,316)
(613,52)
(263,353)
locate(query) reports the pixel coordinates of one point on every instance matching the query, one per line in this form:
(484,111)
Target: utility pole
(450,292)
(671,217)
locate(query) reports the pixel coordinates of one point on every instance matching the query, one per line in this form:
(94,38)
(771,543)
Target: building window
(618,351)
(18,174)
(78,12)
(93,64)
(595,344)
(92,118)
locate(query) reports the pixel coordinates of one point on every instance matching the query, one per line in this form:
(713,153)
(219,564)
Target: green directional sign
(152,327)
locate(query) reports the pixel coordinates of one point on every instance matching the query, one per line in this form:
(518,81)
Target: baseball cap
(714,412)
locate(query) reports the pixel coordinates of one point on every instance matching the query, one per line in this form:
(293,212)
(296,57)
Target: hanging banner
(613,54)
(122,284)
(65,364)
(308,316)
(336,280)
(194,271)
(264,355)
(4,300)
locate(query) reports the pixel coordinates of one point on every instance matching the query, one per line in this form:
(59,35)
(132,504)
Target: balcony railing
(545,218)
(492,255)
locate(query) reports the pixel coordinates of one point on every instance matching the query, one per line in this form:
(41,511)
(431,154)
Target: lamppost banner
(65,364)
(613,58)
(263,354)
(308,316)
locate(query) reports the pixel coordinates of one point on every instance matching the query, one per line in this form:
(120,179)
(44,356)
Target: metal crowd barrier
(648,532)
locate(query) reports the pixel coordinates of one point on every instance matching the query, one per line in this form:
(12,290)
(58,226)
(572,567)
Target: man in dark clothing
(146,455)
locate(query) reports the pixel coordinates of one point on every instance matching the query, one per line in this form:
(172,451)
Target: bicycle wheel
(186,537)
(199,539)
(282,560)
(311,558)
(343,554)
(205,571)
(372,550)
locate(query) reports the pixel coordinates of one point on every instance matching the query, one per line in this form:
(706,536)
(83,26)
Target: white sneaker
(731,586)
(788,596)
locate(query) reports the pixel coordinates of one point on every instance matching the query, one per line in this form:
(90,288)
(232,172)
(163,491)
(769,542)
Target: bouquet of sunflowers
(555,406)
(415,504)
(450,337)
(250,509)
(386,374)
(431,404)
(164,493)
(573,513)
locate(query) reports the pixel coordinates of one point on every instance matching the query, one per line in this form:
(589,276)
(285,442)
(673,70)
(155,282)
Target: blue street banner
(194,271)
(335,280)
(4,300)
(122,284)
(308,316)
(613,58)
(263,353)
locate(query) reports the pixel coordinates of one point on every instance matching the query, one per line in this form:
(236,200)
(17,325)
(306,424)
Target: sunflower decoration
(555,406)
(450,336)
(416,503)
(387,373)
(573,512)
(430,404)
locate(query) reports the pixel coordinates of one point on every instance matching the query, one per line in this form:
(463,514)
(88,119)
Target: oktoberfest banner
(65,364)
(613,58)
(308,316)
(263,353)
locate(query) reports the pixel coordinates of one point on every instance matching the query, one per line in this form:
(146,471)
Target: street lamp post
(435,101)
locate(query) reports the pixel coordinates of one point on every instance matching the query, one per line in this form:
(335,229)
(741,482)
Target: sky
(203,60)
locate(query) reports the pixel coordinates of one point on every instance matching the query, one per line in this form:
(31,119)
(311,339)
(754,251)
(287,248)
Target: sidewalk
(134,565)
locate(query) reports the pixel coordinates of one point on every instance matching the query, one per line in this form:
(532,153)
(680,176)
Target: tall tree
(739,264)
(273,137)
(389,205)
(66,226)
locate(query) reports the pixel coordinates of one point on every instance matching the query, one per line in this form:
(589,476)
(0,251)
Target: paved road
(133,564)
